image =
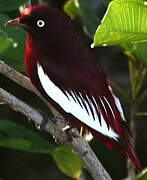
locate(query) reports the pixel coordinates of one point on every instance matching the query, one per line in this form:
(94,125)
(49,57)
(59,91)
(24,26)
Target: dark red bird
(68,75)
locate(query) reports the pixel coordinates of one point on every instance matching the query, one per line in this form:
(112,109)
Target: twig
(131,170)
(79,145)
(141,114)
(143,96)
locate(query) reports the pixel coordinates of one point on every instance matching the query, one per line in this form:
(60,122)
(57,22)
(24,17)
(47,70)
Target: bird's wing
(85,93)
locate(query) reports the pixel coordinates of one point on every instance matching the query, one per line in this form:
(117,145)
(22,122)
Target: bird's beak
(15,22)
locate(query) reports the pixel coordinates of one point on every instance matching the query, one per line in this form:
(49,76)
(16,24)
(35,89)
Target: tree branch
(78,144)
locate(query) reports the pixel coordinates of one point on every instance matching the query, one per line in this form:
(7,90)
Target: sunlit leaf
(71,9)
(124,22)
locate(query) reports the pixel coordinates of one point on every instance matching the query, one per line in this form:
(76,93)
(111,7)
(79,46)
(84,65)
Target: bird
(71,79)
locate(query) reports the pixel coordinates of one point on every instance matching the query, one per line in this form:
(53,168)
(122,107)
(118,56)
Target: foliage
(63,157)
(123,25)
(15,136)
(12,47)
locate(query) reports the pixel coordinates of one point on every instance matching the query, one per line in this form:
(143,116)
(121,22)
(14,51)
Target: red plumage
(54,54)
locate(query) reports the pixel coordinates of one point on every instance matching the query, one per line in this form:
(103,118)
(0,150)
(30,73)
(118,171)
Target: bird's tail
(133,157)
(127,149)
(125,144)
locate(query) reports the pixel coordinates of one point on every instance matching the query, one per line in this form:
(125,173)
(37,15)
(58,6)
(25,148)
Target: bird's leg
(65,126)
(60,122)
(71,131)
(74,133)
(84,133)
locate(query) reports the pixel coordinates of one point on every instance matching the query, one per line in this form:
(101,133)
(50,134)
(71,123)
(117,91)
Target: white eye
(40,23)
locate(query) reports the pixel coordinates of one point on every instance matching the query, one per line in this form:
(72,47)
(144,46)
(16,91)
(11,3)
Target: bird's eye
(40,23)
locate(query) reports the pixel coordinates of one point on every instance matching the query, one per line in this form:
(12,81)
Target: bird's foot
(71,132)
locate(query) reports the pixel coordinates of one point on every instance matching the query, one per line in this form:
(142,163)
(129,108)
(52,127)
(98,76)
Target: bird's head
(49,30)
(42,19)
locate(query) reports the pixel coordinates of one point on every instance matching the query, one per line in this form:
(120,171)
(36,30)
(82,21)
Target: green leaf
(16,136)
(142,176)
(13,55)
(9,5)
(71,9)
(124,22)
(68,162)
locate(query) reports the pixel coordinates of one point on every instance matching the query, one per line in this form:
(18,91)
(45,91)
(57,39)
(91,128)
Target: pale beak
(13,22)
(16,22)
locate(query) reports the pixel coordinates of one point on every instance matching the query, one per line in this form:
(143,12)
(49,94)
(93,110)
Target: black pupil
(40,23)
